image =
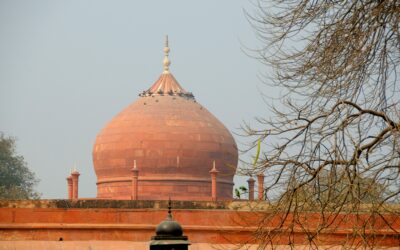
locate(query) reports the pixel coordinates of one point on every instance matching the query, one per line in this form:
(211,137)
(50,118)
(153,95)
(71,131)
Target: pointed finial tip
(214,167)
(169,208)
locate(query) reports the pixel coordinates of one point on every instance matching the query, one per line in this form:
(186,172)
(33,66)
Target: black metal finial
(169,208)
(169,234)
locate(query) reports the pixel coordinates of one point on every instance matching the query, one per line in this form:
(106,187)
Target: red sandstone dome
(173,141)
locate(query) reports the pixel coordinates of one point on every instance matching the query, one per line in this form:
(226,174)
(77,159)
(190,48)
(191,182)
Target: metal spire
(169,216)
(166,61)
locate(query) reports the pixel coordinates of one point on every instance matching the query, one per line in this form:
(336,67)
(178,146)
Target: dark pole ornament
(169,234)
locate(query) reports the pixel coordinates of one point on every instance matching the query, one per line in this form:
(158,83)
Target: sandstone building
(171,140)
(164,145)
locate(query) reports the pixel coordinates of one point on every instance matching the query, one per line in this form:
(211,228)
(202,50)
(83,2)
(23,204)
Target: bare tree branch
(333,143)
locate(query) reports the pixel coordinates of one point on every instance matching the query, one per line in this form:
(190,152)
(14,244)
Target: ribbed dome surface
(174,141)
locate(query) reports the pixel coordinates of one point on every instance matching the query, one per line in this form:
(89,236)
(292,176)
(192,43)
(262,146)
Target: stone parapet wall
(223,222)
(212,225)
(146,204)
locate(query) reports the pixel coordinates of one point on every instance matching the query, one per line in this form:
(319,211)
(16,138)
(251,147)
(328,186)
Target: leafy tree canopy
(17,181)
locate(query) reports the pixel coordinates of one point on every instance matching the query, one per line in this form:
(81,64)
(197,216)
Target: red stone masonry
(250,183)
(260,180)
(214,172)
(135,176)
(75,184)
(203,222)
(69,183)
(174,141)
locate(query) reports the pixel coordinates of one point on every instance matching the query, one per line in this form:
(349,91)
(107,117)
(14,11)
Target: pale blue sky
(67,67)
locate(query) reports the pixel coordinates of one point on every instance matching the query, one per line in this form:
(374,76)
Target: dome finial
(166,61)
(169,208)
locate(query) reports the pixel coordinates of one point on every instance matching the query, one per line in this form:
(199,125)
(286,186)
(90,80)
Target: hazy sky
(68,67)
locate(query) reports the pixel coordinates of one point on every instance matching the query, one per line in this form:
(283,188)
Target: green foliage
(237,193)
(257,153)
(16,180)
(240,191)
